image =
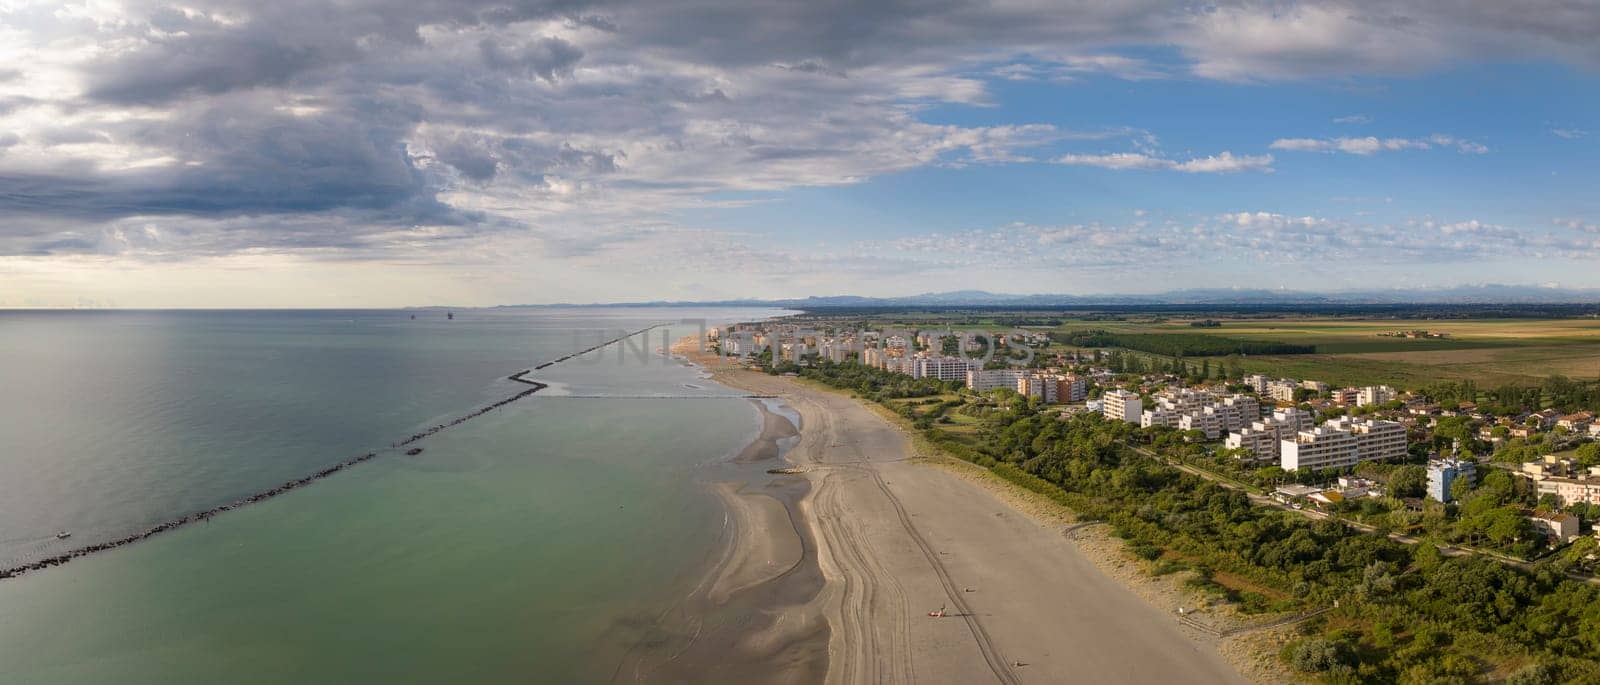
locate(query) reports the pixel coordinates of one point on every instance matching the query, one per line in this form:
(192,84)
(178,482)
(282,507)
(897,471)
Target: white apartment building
(1262,437)
(942,368)
(1208,420)
(1375,394)
(1343,442)
(984,380)
(1121,405)
(1257,382)
(1282,390)
(1319,448)
(1187,409)
(1377,440)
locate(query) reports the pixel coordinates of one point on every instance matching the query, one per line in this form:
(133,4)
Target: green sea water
(534,544)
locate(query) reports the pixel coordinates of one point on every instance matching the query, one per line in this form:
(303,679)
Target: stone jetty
(519,377)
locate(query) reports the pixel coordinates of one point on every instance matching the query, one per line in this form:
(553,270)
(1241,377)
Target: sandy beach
(872,539)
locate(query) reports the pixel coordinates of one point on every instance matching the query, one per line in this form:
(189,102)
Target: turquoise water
(532,544)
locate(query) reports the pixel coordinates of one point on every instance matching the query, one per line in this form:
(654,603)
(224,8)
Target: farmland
(1361,351)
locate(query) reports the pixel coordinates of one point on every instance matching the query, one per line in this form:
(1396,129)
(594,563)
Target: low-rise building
(1557,526)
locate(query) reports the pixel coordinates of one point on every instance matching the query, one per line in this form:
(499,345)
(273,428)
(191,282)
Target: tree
(1321,655)
(1408,481)
(1533,674)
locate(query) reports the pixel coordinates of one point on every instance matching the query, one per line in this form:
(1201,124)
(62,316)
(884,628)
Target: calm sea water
(532,544)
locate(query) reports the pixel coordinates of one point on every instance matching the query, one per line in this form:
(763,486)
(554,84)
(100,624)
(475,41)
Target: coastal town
(1378,456)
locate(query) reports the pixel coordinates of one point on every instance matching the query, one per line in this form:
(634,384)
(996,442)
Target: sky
(302,153)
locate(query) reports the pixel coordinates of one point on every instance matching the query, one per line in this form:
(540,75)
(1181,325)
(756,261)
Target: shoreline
(753,616)
(893,534)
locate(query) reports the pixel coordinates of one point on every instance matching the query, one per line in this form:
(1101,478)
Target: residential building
(1282,390)
(1345,397)
(942,368)
(1257,382)
(1575,422)
(1121,405)
(1443,473)
(1377,440)
(1342,442)
(1321,447)
(1557,526)
(1262,438)
(1071,389)
(984,380)
(1375,394)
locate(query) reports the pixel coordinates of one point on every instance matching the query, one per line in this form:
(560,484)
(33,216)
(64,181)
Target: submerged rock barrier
(519,377)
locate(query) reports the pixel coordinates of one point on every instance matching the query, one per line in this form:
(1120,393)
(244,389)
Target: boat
(414,451)
(63,535)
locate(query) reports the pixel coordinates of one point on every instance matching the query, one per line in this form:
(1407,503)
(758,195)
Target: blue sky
(301,153)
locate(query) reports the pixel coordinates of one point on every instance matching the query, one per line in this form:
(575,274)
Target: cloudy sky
(366,153)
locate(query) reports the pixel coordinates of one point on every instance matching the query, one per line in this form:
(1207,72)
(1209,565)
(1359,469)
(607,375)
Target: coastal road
(898,539)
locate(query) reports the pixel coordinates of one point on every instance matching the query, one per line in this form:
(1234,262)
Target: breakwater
(196,517)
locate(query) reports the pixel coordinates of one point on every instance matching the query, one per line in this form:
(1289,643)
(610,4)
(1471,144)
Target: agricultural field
(1356,351)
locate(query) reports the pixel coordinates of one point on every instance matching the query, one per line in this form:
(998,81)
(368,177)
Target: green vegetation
(1178,344)
(1405,613)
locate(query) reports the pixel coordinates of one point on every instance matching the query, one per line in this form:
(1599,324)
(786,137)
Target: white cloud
(1368,145)
(1353,119)
(1569,133)
(1224,162)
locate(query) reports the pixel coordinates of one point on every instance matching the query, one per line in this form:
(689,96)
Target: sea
(538,542)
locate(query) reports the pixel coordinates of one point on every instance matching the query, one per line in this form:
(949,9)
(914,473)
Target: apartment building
(942,368)
(1377,440)
(1319,448)
(1282,390)
(1375,394)
(1187,409)
(1262,438)
(984,380)
(1342,442)
(1121,405)
(1345,397)
(1443,473)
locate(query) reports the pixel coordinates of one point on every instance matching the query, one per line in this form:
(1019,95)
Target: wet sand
(896,538)
(754,617)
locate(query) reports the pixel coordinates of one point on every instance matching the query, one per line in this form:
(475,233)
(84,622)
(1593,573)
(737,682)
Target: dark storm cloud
(242,160)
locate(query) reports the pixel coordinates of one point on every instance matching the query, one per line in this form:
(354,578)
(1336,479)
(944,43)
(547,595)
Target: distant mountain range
(1472,294)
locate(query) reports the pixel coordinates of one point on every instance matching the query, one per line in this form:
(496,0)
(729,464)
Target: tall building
(1121,405)
(1442,473)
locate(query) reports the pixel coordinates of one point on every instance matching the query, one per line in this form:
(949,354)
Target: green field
(1352,351)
